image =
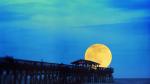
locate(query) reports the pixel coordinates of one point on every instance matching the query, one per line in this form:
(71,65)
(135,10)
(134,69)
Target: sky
(61,31)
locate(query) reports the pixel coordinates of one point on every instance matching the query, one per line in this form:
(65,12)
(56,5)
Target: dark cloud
(11,16)
(7,14)
(131,4)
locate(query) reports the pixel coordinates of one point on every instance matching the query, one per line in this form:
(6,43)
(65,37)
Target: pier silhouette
(17,71)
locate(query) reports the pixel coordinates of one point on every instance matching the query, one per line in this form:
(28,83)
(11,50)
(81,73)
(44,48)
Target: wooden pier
(16,71)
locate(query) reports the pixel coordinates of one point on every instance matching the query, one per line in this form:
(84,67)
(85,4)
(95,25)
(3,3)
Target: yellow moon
(99,53)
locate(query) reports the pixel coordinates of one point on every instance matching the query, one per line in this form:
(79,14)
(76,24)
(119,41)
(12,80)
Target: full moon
(99,53)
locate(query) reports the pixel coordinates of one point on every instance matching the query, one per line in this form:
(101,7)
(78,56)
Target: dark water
(132,81)
(129,81)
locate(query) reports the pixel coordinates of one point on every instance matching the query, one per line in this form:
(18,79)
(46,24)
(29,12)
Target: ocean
(128,81)
(132,81)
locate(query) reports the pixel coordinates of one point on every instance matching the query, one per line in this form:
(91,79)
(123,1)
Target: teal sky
(61,31)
